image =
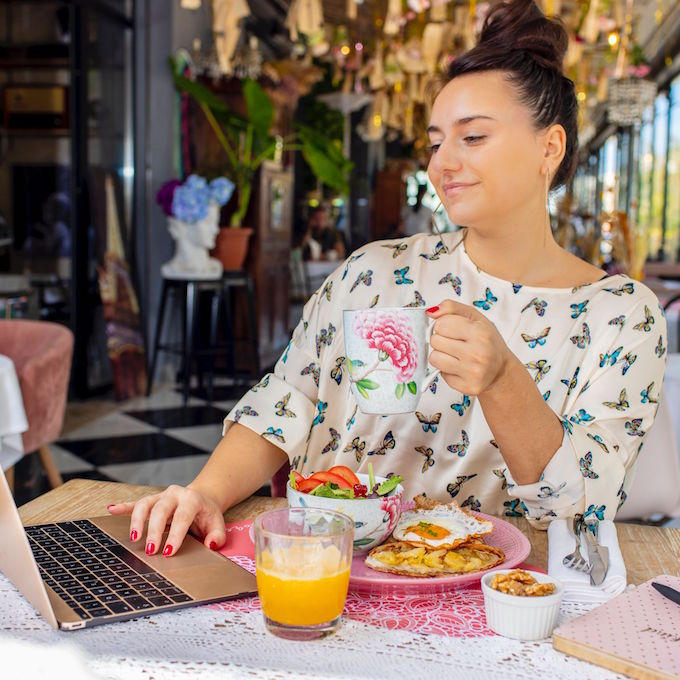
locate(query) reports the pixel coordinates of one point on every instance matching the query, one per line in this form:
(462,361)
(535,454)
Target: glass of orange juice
(303,558)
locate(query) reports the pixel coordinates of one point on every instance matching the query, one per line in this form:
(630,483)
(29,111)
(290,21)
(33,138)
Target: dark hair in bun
(519,39)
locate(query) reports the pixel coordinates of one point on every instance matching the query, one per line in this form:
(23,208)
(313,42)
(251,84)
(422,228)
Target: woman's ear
(554,147)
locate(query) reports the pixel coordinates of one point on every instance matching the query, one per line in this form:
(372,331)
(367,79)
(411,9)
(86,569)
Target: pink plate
(505,536)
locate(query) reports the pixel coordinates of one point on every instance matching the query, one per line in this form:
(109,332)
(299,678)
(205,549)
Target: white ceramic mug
(386,351)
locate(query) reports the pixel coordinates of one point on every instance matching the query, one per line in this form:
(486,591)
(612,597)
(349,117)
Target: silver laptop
(86,572)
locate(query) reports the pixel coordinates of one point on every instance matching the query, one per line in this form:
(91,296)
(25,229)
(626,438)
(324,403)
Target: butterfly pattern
(438,251)
(454,488)
(534,341)
(401,277)
(460,449)
(455,282)
(313,370)
(282,409)
(365,277)
(583,340)
(485,304)
(597,359)
(336,371)
(538,305)
(429,423)
(397,249)
(357,446)
(461,406)
(388,443)
(245,410)
(333,443)
(647,398)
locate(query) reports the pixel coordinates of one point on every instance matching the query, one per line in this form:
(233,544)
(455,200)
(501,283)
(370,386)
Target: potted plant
(248,142)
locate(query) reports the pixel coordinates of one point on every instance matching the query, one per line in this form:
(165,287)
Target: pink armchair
(42,354)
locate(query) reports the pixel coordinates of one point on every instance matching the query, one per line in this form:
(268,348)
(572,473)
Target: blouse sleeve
(605,423)
(283,405)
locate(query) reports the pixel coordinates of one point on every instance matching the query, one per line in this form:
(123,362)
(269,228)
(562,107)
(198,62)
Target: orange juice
(299,587)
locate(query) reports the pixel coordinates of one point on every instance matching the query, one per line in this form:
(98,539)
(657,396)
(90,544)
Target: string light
(613,39)
(345,49)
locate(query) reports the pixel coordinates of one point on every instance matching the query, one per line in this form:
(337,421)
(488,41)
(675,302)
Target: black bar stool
(188,291)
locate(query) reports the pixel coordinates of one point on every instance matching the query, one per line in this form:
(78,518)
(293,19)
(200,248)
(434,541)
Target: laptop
(87,572)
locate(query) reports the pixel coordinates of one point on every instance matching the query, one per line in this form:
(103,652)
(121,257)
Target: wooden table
(647,551)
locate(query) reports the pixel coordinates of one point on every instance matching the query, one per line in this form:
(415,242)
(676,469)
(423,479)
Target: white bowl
(522,618)
(374,518)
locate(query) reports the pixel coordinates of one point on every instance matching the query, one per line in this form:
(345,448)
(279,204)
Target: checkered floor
(154,440)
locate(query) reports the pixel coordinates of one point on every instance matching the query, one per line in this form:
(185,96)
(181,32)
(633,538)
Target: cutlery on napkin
(577,585)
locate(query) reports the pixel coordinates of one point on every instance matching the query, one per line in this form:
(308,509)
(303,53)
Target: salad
(340,482)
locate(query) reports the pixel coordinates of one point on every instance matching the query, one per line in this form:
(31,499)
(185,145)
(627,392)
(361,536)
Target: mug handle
(431,374)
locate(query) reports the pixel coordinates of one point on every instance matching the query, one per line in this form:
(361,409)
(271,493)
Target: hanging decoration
(227,15)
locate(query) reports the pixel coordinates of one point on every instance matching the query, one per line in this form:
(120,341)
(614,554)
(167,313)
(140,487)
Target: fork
(575,560)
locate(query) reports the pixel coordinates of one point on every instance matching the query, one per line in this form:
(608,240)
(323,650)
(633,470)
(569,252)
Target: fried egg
(439,526)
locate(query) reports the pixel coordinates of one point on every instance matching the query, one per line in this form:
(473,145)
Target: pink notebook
(636,633)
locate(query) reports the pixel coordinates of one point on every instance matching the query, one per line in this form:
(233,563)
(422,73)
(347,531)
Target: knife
(598,555)
(671,593)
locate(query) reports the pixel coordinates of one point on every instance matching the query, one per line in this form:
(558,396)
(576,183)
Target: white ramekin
(522,618)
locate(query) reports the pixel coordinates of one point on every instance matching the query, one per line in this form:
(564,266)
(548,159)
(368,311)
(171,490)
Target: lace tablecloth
(207,642)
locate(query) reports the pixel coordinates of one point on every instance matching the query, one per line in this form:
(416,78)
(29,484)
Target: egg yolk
(427,530)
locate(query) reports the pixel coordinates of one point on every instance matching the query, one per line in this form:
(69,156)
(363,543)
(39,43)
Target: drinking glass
(303,558)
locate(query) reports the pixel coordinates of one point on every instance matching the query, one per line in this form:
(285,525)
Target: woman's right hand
(184,508)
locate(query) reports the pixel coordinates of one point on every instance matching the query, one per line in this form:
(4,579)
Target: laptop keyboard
(95,575)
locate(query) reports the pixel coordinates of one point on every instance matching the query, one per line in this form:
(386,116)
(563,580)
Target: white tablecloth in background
(12,415)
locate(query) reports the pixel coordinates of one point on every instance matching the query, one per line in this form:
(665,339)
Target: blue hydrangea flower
(221,190)
(196,182)
(190,204)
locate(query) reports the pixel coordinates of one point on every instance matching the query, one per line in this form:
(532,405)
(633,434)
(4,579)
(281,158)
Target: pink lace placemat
(459,613)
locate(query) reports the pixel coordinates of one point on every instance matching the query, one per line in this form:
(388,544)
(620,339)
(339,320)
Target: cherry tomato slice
(345,473)
(307,485)
(324,477)
(297,477)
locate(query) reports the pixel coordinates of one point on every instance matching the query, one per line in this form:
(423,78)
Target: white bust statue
(193,240)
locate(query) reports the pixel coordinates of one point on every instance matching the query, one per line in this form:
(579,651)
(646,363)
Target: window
(645,166)
(672,240)
(660,146)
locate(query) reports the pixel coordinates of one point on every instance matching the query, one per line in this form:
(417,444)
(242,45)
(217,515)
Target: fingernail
(167,550)
(432,310)
(133,535)
(213,545)
(150,547)
(111,505)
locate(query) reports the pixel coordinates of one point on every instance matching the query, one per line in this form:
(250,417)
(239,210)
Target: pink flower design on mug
(391,505)
(392,336)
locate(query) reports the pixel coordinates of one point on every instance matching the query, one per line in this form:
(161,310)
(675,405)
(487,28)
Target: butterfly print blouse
(596,353)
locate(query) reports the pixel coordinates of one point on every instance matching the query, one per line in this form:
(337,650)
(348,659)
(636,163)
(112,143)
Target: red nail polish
(150,547)
(213,545)
(111,505)
(432,310)
(133,535)
(167,550)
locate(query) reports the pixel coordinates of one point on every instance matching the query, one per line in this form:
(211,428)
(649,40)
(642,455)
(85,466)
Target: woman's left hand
(467,348)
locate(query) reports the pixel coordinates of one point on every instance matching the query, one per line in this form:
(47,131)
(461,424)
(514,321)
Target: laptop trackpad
(198,571)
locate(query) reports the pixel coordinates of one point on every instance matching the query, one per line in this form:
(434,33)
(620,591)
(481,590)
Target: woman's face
(486,158)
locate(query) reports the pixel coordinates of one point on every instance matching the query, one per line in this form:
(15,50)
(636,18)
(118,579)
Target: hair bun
(521,25)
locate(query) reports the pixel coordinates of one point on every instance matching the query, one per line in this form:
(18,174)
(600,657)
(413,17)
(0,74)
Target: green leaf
(292,481)
(259,107)
(362,391)
(330,490)
(412,387)
(389,484)
(399,390)
(367,384)
(324,168)
(371,478)
(362,541)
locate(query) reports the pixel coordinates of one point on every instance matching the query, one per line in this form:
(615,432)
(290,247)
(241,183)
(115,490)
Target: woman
(550,373)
